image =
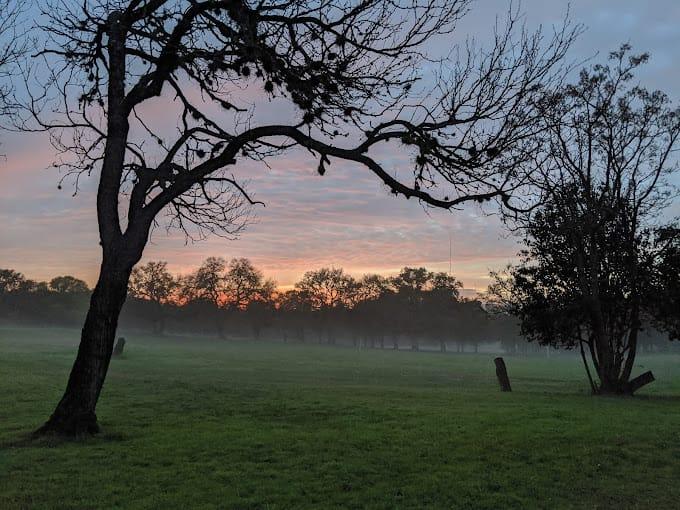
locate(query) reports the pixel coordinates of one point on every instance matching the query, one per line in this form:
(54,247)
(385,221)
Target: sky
(345,218)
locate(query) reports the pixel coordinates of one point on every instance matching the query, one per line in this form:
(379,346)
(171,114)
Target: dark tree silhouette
(11,281)
(327,288)
(245,284)
(68,285)
(206,286)
(593,259)
(663,296)
(349,72)
(153,282)
(294,307)
(330,292)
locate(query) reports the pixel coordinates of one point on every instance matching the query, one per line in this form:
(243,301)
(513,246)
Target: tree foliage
(593,259)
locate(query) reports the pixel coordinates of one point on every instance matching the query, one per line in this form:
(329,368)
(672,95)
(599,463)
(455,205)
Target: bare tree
(349,72)
(207,282)
(244,284)
(13,47)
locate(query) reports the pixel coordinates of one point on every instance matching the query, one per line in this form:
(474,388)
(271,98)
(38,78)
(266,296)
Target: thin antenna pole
(450,253)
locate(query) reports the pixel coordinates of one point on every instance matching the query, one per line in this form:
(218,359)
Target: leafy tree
(425,300)
(11,281)
(68,285)
(330,292)
(663,297)
(349,73)
(439,305)
(591,262)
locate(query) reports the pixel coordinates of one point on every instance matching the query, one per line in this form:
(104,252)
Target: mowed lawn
(202,423)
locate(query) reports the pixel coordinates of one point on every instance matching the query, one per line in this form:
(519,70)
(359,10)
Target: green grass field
(199,423)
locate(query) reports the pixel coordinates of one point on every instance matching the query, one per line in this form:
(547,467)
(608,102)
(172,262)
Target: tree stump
(120,345)
(638,382)
(502,374)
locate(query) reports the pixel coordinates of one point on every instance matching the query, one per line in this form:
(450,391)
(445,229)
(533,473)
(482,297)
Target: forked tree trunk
(75,413)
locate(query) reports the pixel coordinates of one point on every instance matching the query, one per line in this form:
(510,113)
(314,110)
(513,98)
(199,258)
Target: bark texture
(75,412)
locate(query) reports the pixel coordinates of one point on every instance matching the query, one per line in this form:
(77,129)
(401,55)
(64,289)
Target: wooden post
(638,382)
(120,345)
(502,374)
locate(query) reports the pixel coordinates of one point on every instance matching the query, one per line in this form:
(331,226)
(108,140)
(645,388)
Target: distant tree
(470,324)
(11,281)
(207,282)
(260,315)
(330,292)
(591,265)
(294,308)
(205,288)
(445,284)
(68,285)
(244,284)
(348,71)
(153,282)
(328,288)
(372,311)
(424,300)
(439,304)
(411,280)
(248,291)
(372,287)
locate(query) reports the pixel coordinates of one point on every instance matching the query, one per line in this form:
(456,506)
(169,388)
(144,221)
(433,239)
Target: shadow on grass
(32,440)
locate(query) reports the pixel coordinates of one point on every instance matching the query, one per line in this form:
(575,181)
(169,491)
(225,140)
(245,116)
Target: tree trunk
(75,413)
(160,320)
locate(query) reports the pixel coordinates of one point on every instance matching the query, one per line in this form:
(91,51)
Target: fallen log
(639,381)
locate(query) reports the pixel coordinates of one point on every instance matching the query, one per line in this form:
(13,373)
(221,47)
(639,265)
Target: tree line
(232,299)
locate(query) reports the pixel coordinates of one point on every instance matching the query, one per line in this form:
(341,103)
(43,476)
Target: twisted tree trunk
(75,412)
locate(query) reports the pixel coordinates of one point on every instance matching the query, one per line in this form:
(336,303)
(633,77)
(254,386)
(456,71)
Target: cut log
(502,374)
(120,345)
(639,381)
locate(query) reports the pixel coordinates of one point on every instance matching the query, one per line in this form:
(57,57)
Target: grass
(198,423)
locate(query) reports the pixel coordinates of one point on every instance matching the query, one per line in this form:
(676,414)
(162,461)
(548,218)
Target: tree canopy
(599,258)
